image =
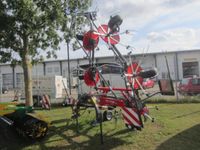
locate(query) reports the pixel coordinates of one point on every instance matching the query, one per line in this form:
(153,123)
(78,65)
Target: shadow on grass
(86,138)
(186,140)
(9,139)
(66,135)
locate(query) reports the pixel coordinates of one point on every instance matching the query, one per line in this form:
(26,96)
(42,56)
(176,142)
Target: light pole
(68,65)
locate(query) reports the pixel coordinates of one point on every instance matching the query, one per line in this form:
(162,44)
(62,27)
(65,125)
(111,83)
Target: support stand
(101,128)
(77,125)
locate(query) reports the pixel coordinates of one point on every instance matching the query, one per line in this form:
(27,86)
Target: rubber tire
(107,115)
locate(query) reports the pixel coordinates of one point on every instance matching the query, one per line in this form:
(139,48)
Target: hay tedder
(104,97)
(23,120)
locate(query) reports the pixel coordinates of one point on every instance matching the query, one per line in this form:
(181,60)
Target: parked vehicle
(189,86)
(48,85)
(53,86)
(148,83)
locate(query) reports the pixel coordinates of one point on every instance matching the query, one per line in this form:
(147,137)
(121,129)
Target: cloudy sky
(154,25)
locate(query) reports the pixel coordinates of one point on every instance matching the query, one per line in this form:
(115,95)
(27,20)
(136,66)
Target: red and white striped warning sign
(46,102)
(130,116)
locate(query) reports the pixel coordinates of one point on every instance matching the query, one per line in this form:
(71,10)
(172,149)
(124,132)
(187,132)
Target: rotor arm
(120,56)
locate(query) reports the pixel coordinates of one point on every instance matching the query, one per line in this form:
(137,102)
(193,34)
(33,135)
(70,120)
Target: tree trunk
(27,68)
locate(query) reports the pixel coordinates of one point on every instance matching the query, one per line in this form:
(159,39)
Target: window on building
(19,80)
(7,80)
(190,69)
(57,70)
(49,70)
(64,72)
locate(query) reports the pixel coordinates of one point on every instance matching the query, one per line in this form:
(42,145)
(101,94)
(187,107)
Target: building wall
(4,69)
(162,65)
(105,60)
(38,70)
(147,61)
(52,68)
(60,67)
(187,57)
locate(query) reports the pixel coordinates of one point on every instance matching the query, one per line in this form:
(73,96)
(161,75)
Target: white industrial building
(182,64)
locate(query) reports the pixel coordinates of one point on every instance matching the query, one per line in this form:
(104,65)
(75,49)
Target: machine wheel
(132,127)
(107,115)
(36,100)
(35,129)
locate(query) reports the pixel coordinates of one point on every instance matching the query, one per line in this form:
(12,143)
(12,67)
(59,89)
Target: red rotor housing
(91,77)
(90,40)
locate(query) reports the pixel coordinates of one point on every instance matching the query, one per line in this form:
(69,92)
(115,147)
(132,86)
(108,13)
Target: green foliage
(5,56)
(31,26)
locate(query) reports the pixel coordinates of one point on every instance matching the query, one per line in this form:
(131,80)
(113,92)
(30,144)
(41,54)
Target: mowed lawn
(176,127)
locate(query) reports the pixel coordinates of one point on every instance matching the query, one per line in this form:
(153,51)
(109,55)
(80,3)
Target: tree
(29,27)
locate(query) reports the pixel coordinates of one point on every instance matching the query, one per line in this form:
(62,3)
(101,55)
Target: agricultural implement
(23,120)
(103,97)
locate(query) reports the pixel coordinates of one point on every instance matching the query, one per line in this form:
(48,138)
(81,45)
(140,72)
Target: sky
(153,25)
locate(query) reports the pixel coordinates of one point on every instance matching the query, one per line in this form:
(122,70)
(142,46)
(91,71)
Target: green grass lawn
(176,127)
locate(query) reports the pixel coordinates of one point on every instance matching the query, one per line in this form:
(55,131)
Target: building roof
(138,54)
